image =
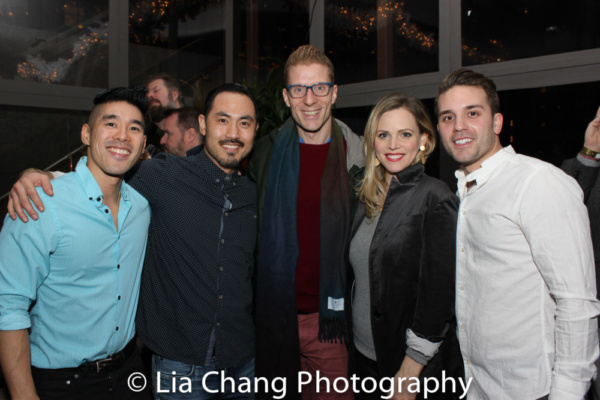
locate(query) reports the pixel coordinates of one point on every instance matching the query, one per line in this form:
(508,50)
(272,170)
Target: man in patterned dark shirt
(195,309)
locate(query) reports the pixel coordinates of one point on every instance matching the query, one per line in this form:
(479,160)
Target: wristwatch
(588,153)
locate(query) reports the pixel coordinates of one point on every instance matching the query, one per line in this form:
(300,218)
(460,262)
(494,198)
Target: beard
(156,112)
(225,161)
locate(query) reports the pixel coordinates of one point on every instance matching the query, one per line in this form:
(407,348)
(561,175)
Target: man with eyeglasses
(305,172)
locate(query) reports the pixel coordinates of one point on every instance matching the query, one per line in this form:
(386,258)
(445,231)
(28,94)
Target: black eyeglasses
(319,89)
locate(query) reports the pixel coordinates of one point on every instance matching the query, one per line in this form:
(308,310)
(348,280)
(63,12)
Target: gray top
(361,299)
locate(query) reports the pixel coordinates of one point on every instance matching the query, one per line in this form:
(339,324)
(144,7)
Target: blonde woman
(402,256)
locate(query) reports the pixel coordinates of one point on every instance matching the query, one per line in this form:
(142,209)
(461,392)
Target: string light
(37,68)
(152,13)
(364,23)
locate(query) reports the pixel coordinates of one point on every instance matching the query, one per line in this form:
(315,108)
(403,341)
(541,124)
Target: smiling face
(229,130)
(172,140)
(115,139)
(311,113)
(397,141)
(467,127)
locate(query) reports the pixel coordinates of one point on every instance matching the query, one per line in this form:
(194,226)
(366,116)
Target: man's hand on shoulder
(24,189)
(592,134)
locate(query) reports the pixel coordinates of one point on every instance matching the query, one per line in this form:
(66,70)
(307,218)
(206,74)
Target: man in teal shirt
(69,281)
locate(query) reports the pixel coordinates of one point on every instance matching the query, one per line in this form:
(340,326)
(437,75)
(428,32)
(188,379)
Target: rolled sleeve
(419,349)
(13,321)
(587,162)
(24,263)
(567,389)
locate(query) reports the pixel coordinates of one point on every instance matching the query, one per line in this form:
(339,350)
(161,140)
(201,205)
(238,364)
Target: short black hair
(232,88)
(134,96)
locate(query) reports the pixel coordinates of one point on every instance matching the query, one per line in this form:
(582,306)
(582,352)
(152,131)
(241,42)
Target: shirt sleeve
(419,349)
(555,223)
(434,311)
(25,250)
(148,174)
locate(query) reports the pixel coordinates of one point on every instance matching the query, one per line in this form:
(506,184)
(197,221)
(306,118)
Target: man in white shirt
(525,286)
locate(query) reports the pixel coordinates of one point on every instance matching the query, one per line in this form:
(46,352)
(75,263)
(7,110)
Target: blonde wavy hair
(373,188)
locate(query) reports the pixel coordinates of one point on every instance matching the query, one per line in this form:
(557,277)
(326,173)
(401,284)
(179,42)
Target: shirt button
(464,213)
(222,240)
(91,198)
(98,199)
(119,266)
(461,287)
(468,362)
(218,324)
(119,298)
(216,180)
(117,328)
(226,214)
(106,211)
(462,326)
(462,249)
(220,268)
(220,297)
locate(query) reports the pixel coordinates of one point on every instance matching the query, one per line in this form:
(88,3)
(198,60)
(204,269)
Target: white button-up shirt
(525,287)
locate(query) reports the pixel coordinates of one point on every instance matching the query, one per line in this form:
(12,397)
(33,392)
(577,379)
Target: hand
(409,369)
(592,134)
(24,189)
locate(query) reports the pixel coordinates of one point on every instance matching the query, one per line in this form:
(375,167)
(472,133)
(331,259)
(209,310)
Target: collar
(411,173)
(213,171)
(194,150)
(90,186)
(482,174)
(302,140)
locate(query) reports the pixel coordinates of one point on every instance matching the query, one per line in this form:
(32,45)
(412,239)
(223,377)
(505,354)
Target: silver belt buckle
(101,363)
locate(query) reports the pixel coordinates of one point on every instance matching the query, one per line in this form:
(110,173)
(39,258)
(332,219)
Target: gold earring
(377,162)
(422,148)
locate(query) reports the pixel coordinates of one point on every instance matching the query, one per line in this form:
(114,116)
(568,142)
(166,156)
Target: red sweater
(312,165)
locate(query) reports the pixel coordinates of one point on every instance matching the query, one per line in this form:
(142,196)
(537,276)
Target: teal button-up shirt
(71,276)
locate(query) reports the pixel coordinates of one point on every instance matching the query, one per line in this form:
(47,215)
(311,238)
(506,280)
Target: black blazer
(412,262)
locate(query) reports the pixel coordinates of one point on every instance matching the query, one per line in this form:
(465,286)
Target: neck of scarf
(278,249)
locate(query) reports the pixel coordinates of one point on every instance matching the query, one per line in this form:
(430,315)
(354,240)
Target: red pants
(324,360)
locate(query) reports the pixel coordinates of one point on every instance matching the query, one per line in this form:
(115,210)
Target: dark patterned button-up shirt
(196,292)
